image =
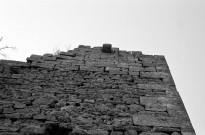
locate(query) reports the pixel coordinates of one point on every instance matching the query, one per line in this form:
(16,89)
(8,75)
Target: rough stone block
(19,105)
(166,129)
(48,55)
(176,133)
(107,48)
(9,128)
(134,68)
(150,69)
(34,57)
(153,103)
(89,68)
(152,133)
(187,131)
(154,74)
(134,73)
(13,116)
(136,108)
(16,75)
(136,53)
(150,120)
(69,53)
(46,58)
(123,65)
(112,69)
(118,72)
(130,132)
(84,46)
(43,65)
(98,132)
(64,57)
(116,133)
(155,86)
(39,117)
(162,69)
(155,107)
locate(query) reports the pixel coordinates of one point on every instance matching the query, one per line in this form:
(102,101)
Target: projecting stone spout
(107,48)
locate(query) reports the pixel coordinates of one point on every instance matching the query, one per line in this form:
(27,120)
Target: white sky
(174,28)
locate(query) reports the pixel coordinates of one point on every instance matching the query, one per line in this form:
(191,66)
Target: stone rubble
(89,92)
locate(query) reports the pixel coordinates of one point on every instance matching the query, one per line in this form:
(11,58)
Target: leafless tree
(5,47)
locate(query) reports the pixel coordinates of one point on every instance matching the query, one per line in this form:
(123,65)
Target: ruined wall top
(91,91)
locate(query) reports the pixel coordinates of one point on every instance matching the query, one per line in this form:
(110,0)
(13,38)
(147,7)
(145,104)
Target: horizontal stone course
(154,74)
(149,120)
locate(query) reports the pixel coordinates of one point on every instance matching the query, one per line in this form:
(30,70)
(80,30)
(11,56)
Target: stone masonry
(87,91)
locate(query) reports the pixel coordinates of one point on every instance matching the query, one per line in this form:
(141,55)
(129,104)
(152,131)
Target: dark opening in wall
(55,129)
(77,104)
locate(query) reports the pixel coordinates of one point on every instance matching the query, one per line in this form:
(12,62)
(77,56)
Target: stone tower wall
(88,92)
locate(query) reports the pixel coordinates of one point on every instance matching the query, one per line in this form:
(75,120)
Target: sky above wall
(174,28)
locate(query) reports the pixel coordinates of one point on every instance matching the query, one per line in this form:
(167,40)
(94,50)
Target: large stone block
(151,120)
(153,103)
(107,48)
(43,65)
(69,53)
(118,72)
(98,132)
(34,57)
(134,68)
(155,86)
(166,129)
(46,58)
(112,69)
(155,74)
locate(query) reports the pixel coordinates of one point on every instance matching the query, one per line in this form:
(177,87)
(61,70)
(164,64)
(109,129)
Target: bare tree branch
(5,47)
(3,54)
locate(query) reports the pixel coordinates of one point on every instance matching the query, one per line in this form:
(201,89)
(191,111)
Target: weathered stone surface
(154,74)
(85,91)
(34,57)
(112,69)
(130,132)
(69,53)
(149,120)
(98,132)
(107,48)
(134,68)
(116,133)
(176,133)
(43,65)
(118,72)
(153,103)
(155,86)
(19,105)
(50,58)
(134,73)
(152,133)
(135,108)
(167,129)
(9,128)
(9,133)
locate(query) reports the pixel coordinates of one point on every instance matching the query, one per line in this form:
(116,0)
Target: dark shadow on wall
(54,129)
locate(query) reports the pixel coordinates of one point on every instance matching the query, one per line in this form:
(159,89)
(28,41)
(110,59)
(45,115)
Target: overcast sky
(174,28)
